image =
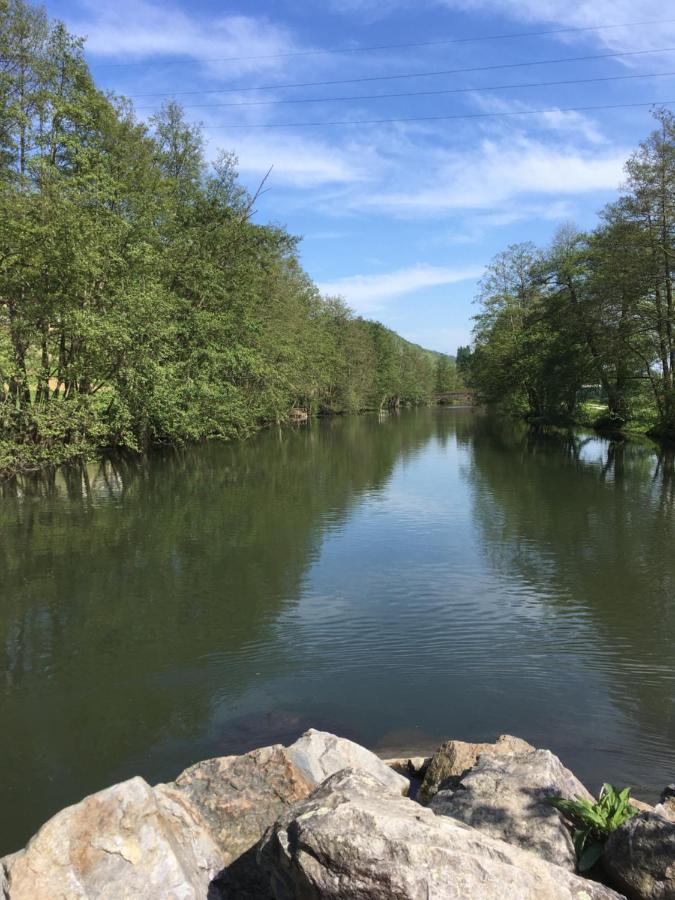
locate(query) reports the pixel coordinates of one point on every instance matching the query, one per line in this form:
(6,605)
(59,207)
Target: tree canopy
(592,311)
(140,301)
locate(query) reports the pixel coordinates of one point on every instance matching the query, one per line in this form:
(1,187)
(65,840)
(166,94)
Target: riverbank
(20,458)
(595,417)
(324,817)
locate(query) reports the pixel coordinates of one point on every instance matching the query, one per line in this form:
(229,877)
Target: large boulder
(127,841)
(319,754)
(454,759)
(505,797)
(170,841)
(314,756)
(639,857)
(351,839)
(134,841)
(240,796)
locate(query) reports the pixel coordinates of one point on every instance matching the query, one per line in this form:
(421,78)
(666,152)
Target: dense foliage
(592,313)
(139,300)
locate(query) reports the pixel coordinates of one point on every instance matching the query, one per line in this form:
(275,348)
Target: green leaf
(590,856)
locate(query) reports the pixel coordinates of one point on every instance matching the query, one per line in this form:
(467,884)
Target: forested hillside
(593,313)
(140,302)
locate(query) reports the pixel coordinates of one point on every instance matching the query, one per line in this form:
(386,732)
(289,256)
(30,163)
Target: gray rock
(125,842)
(639,858)
(504,797)
(319,754)
(666,804)
(665,810)
(454,759)
(350,839)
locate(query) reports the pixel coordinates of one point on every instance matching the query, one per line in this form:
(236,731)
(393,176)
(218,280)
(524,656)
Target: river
(399,580)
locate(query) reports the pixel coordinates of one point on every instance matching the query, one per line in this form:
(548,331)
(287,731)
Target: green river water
(399,580)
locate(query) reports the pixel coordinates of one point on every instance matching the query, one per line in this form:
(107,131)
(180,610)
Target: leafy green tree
(139,301)
(649,205)
(445,374)
(616,282)
(592,309)
(463,365)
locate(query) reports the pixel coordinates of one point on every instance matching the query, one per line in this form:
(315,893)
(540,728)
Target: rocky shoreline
(325,817)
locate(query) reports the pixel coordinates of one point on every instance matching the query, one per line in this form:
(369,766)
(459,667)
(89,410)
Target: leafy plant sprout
(592,823)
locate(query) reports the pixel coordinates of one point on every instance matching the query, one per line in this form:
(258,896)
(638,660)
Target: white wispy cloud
(562,13)
(299,161)
(554,121)
(495,172)
(492,182)
(143,30)
(369,293)
(585,14)
(370,10)
(473,228)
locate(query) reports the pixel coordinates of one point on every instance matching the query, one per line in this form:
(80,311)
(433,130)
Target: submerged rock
(350,839)
(454,758)
(505,796)
(639,857)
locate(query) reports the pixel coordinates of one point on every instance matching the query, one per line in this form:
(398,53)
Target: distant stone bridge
(464,397)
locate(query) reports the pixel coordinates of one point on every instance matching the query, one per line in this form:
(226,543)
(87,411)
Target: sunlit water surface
(399,580)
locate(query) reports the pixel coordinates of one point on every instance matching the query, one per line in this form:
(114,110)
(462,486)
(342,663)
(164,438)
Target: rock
(454,758)
(350,839)
(505,796)
(240,796)
(666,804)
(639,858)
(641,805)
(413,768)
(168,842)
(127,841)
(409,766)
(319,754)
(6,864)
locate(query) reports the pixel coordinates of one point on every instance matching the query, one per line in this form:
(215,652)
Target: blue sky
(400,217)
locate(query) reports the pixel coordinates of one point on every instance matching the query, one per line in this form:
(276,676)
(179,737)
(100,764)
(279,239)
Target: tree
(649,204)
(445,374)
(594,308)
(616,282)
(140,302)
(463,364)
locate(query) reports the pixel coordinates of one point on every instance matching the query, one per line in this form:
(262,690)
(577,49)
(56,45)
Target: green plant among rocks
(593,823)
